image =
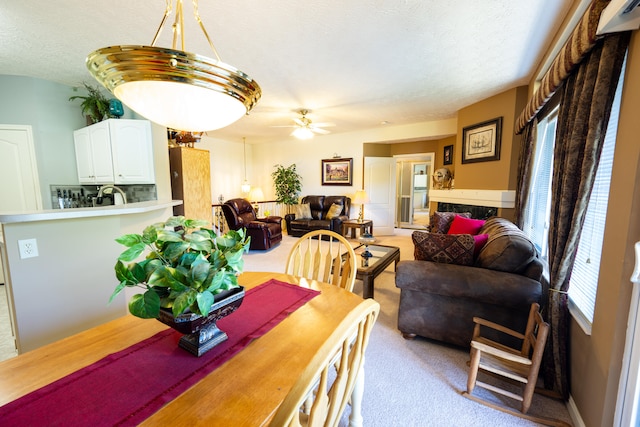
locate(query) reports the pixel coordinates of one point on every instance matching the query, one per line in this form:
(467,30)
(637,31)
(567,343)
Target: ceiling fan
(305,128)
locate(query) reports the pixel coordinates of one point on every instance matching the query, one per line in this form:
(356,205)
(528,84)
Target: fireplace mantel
(492,198)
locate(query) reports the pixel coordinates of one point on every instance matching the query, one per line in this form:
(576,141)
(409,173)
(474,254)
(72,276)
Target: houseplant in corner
(189,277)
(288,185)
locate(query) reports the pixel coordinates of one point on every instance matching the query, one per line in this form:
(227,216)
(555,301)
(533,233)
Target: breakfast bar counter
(62,284)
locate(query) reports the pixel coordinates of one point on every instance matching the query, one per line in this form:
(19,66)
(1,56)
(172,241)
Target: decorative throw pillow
(480,241)
(441,221)
(303,211)
(462,225)
(334,211)
(443,248)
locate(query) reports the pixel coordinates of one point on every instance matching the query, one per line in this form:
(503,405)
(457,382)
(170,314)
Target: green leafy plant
(288,184)
(94,105)
(186,267)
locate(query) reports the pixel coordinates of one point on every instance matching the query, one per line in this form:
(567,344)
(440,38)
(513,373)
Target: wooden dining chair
(515,365)
(325,256)
(343,351)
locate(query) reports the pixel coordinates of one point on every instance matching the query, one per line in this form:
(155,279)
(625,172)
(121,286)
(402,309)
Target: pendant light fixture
(246,187)
(175,88)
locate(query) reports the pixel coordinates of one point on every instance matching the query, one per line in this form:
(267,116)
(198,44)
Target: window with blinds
(584,276)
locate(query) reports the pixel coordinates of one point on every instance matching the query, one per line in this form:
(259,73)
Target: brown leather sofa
(265,233)
(439,300)
(319,205)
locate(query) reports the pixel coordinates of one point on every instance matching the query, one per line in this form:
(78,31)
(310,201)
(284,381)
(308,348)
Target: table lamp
(256,195)
(360,199)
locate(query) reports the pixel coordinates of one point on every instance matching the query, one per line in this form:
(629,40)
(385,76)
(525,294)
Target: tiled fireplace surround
(481,203)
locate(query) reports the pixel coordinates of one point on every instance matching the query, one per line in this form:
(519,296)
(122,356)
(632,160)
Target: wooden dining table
(244,391)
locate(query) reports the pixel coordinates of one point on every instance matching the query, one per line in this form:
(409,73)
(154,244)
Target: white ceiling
(354,63)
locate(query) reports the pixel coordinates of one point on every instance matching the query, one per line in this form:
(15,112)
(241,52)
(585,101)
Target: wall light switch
(28,248)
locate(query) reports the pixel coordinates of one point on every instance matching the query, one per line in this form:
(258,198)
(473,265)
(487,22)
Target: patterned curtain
(579,43)
(525,169)
(582,124)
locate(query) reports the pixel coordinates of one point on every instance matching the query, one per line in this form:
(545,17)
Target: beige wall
(596,360)
(498,174)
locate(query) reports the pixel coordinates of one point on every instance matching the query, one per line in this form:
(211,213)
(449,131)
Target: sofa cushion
(334,211)
(317,205)
(303,211)
(444,248)
(441,221)
(462,225)
(507,249)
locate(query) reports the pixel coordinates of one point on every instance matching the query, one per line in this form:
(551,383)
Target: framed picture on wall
(481,142)
(337,171)
(448,155)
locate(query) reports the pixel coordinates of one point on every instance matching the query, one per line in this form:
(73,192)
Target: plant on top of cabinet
(95,105)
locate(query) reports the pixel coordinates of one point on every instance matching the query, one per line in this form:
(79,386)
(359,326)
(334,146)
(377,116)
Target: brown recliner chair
(265,232)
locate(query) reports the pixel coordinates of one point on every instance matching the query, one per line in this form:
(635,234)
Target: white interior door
(380,185)
(19,184)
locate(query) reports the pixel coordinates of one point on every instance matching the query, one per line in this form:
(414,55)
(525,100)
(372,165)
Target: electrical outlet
(28,248)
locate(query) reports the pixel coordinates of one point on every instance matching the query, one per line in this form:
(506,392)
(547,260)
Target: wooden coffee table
(382,257)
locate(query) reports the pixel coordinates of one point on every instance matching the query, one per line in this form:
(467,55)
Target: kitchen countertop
(58,214)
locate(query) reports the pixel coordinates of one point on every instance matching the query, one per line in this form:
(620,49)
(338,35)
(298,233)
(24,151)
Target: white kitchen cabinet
(93,154)
(116,151)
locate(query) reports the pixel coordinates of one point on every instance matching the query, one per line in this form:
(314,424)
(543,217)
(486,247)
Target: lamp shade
(360,197)
(256,195)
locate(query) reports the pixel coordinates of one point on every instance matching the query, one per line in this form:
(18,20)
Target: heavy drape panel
(525,170)
(582,124)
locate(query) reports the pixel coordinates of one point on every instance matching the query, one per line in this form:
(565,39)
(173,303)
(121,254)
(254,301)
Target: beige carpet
(7,345)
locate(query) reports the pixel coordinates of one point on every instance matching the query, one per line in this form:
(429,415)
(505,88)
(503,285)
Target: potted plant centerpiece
(189,277)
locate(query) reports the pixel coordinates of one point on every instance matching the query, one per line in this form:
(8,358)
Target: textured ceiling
(353,63)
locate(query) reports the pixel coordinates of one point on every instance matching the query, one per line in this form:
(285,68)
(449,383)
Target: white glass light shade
(177,89)
(302,133)
(246,187)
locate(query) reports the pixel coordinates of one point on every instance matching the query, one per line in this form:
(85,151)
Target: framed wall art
(337,171)
(481,142)
(447,158)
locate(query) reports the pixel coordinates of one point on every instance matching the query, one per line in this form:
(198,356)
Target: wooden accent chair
(515,365)
(325,256)
(344,351)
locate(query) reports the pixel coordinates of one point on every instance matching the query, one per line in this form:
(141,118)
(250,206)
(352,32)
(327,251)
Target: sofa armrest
(336,223)
(256,225)
(272,219)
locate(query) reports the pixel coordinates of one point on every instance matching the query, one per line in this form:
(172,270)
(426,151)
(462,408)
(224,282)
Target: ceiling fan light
(302,133)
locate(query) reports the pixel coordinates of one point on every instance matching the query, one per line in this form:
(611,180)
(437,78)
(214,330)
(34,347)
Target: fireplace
(481,203)
(477,212)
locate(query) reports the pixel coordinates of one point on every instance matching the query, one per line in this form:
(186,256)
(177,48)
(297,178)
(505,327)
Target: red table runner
(127,387)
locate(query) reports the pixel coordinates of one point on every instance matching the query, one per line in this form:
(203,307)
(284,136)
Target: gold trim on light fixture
(174,88)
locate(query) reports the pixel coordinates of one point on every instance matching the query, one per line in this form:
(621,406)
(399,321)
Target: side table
(366,226)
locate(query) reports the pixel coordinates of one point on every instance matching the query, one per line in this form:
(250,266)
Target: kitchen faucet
(113,188)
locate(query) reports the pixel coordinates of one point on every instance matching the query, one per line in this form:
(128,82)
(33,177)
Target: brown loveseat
(438,300)
(316,219)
